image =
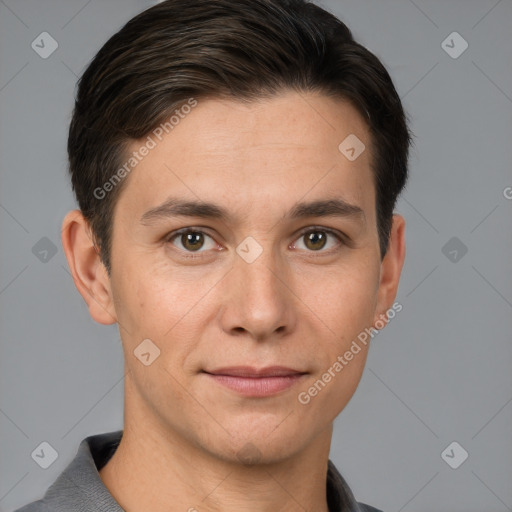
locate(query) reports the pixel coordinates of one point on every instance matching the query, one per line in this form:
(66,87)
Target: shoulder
(79,485)
(367,508)
(35,506)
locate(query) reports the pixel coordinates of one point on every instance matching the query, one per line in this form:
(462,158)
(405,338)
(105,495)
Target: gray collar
(80,483)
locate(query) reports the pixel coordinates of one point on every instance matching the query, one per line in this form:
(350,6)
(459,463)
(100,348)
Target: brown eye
(315,240)
(319,240)
(191,241)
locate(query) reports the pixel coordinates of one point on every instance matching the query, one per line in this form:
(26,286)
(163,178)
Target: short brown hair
(238,49)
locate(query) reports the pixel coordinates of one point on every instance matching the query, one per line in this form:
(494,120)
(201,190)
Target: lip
(254,382)
(249,371)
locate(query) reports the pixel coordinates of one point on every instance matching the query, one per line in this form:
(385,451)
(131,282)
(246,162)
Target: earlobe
(391,269)
(88,272)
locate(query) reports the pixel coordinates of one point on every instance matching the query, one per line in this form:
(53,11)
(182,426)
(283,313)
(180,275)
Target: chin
(266,445)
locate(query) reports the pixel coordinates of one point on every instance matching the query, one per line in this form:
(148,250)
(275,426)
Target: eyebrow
(175,207)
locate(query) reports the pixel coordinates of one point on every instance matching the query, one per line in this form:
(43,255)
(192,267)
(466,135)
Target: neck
(158,469)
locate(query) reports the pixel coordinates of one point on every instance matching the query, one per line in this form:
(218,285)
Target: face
(266,275)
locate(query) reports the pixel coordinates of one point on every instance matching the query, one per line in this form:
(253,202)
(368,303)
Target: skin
(298,304)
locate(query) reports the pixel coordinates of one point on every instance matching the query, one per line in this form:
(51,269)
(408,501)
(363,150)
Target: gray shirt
(79,487)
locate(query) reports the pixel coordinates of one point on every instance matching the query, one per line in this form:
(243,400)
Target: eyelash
(311,229)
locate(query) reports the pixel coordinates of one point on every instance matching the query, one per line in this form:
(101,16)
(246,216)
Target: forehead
(273,151)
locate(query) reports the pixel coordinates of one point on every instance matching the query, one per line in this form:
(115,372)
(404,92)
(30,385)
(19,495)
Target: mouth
(254,382)
(250,372)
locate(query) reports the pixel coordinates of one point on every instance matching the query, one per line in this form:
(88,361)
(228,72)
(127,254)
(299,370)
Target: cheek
(162,303)
(344,296)
(145,302)
(344,300)
(327,393)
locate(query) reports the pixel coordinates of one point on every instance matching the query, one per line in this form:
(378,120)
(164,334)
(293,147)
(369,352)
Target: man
(236,165)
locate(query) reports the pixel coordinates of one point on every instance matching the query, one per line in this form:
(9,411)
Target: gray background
(440,372)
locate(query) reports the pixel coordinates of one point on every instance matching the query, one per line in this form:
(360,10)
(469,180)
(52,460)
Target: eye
(192,240)
(316,239)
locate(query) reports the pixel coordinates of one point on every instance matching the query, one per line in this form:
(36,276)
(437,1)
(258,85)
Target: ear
(88,272)
(390,270)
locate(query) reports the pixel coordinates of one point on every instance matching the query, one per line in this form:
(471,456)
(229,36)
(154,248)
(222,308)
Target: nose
(258,299)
